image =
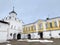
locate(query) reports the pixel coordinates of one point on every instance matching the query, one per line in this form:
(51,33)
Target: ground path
(15,42)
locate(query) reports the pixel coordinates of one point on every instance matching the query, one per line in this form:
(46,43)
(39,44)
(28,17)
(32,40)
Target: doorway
(40,34)
(18,36)
(29,36)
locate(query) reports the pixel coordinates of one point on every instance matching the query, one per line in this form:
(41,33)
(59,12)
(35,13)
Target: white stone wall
(25,36)
(3,36)
(22,36)
(34,36)
(3,31)
(55,34)
(3,27)
(46,34)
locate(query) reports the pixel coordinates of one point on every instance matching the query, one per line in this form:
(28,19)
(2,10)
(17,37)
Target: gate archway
(29,36)
(18,36)
(40,34)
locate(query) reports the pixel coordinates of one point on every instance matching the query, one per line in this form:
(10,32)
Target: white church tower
(13,14)
(15,30)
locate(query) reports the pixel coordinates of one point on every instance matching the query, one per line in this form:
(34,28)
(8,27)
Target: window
(55,24)
(28,28)
(34,27)
(31,27)
(46,25)
(6,18)
(9,17)
(15,18)
(40,26)
(50,24)
(59,23)
(11,26)
(23,28)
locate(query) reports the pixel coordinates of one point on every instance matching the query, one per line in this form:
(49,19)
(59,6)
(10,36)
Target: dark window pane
(51,25)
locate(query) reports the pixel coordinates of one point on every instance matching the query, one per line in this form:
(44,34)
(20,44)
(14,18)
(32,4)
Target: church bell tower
(13,13)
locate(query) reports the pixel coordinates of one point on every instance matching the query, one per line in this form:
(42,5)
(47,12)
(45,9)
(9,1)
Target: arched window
(55,24)
(15,18)
(46,25)
(40,26)
(34,27)
(9,17)
(11,26)
(51,24)
(6,18)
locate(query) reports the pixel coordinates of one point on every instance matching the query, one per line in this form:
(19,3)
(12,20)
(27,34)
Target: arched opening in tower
(18,36)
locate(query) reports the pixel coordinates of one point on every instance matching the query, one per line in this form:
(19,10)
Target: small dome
(13,12)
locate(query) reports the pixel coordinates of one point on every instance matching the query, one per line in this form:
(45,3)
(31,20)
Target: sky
(30,10)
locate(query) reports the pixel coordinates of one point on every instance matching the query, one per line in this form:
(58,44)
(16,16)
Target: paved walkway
(15,42)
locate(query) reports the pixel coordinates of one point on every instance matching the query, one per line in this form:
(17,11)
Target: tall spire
(13,4)
(48,16)
(13,11)
(13,8)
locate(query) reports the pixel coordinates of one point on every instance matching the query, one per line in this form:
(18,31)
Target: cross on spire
(13,8)
(13,11)
(48,15)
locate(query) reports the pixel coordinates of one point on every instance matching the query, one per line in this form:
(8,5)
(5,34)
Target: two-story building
(49,28)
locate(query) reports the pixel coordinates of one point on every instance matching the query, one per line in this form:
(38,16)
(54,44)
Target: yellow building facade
(50,24)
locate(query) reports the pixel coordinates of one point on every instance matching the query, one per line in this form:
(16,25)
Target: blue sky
(31,10)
